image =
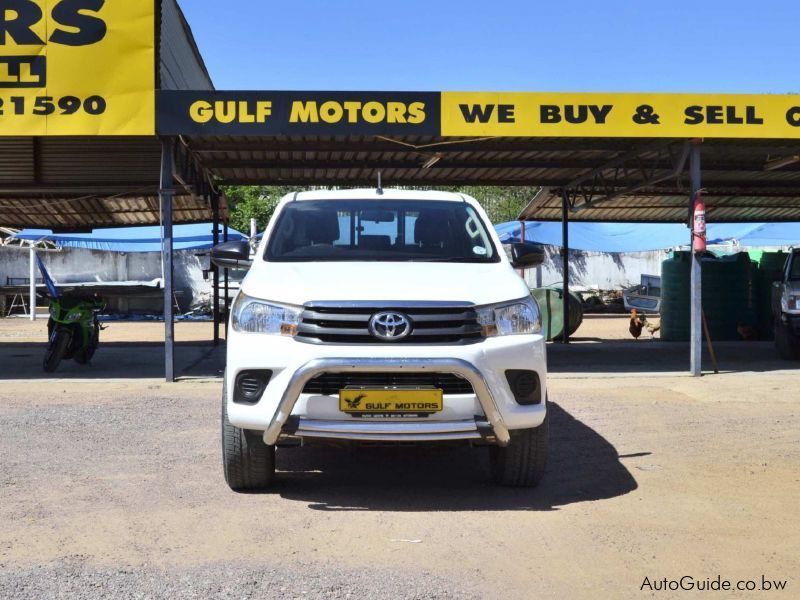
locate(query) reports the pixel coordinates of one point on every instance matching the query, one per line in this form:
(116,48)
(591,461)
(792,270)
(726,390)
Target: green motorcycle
(73,330)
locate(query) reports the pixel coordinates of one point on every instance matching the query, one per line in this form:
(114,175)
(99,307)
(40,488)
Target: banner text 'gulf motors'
(302,113)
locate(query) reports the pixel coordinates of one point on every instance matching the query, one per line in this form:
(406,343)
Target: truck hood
(299,283)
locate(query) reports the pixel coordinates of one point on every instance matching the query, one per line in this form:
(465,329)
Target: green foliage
(259,202)
(253,202)
(500,203)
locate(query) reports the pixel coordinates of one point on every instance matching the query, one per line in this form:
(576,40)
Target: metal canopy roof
(608,179)
(79,183)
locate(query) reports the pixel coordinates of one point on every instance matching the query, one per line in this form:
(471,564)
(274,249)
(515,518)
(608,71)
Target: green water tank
(552,306)
(730,295)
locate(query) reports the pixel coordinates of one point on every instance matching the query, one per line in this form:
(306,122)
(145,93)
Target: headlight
(510,319)
(71,318)
(255,316)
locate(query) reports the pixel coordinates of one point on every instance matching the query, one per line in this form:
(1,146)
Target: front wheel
(786,342)
(248,462)
(56,348)
(522,462)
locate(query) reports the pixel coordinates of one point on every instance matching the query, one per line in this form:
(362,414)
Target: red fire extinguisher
(699,224)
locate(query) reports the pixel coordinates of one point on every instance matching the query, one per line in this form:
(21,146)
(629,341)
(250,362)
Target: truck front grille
(432,323)
(331,383)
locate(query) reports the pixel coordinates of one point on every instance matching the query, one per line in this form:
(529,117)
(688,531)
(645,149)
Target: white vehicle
(383,316)
(786,308)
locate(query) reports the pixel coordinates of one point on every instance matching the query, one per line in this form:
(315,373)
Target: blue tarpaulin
(593,237)
(644,237)
(133,239)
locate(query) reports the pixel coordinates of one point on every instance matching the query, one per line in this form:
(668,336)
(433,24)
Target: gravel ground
(73,579)
(115,489)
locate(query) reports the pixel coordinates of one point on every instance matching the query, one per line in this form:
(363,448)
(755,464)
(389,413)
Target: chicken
(747,332)
(637,323)
(653,327)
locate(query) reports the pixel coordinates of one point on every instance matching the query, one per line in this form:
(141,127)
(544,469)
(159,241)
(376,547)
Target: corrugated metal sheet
(675,209)
(739,188)
(77,213)
(16,159)
(63,162)
(182,66)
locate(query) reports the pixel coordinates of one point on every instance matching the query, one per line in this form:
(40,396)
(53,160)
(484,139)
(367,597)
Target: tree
(253,202)
(502,204)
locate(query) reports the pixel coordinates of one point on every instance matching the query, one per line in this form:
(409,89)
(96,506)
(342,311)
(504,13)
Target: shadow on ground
(114,360)
(583,466)
(654,356)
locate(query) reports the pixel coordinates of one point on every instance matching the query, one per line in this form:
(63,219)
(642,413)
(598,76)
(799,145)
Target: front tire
(56,348)
(522,462)
(786,343)
(248,462)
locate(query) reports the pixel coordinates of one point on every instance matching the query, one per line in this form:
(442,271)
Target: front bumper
(492,428)
(285,410)
(792,322)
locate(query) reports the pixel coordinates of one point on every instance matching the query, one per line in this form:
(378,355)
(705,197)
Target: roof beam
(428,148)
(67,191)
(627,174)
(472,164)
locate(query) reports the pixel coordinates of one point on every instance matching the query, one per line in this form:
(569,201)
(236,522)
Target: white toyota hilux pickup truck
(383,316)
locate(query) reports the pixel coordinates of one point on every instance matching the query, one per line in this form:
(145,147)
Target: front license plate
(390,402)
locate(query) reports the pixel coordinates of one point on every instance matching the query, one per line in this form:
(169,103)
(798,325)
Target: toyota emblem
(390,326)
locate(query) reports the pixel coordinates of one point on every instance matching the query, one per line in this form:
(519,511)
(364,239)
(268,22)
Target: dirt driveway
(115,489)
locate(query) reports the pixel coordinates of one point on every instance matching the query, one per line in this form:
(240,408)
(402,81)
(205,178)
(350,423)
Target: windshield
(380,230)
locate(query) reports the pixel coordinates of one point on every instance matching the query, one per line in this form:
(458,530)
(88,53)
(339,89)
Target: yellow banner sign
(77,67)
(620,115)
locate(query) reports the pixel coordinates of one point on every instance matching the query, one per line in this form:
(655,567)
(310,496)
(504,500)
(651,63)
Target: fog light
(525,386)
(250,386)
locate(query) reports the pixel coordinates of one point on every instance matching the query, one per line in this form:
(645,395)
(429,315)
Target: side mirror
(231,255)
(527,255)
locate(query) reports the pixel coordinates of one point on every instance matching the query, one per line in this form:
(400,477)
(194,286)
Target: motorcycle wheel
(82,357)
(56,349)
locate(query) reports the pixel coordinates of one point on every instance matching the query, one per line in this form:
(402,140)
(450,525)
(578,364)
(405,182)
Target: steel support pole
(565,262)
(166,193)
(522,239)
(214,268)
(696,285)
(227,285)
(32,289)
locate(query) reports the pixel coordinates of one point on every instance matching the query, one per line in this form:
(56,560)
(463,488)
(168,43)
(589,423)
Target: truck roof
(372,194)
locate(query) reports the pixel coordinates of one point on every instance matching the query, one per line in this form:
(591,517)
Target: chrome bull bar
(387,430)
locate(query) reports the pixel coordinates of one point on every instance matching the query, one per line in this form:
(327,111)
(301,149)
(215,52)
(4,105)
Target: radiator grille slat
(347,324)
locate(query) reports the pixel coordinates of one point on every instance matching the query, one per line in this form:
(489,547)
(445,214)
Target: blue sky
(558,45)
